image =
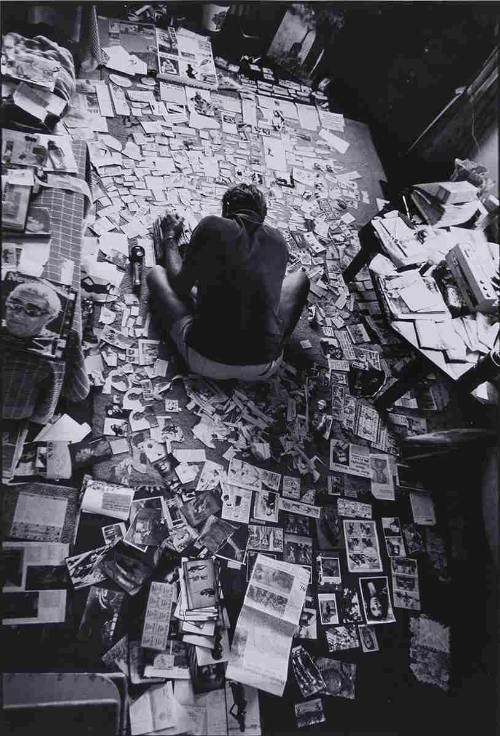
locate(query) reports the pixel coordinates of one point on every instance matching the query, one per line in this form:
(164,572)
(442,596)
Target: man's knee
(155,276)
(301,284)
(305,282)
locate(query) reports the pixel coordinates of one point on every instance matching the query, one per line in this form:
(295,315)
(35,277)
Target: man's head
(29,307)
(244,197)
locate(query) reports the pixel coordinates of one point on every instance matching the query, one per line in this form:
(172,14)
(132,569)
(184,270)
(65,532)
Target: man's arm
(182,275)
(178,276)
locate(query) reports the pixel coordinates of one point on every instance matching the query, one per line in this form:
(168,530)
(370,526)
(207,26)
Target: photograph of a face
(37,312)
(376,600)
(368,638)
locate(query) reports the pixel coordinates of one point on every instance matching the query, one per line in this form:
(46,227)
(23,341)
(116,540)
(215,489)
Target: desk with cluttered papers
(407,276)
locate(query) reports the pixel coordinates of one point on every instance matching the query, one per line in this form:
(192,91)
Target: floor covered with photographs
(254,558)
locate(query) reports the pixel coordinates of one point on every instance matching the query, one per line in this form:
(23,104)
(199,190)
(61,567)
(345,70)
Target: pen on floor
(406,206)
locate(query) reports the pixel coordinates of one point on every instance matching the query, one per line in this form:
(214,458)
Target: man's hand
(172,227)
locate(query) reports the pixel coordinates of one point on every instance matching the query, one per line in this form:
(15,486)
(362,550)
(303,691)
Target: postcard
(89,452)
(127,568)
(308,628)
(172,663)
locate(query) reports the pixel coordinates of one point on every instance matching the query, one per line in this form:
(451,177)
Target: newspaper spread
(268,619)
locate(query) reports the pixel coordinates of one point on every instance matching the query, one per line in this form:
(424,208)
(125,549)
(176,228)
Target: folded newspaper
(266,625)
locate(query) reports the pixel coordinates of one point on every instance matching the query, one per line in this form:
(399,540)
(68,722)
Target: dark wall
(396,65)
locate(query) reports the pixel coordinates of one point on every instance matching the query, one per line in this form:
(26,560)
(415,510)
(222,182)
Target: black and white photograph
(328,611)
(37,313)
(298,549)
(376,599)
(309,713)
(368,638)
(250,345)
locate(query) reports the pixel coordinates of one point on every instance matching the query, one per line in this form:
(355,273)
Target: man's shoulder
(274,235)
(214,223)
